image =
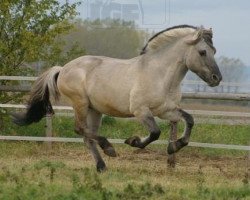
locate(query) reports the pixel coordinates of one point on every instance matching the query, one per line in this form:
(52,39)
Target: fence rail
(18,78)
(120,141)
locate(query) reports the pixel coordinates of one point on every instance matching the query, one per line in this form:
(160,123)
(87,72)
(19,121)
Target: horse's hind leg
(100,164)
(148,121)
(81,111)
(172,138)
(93,122)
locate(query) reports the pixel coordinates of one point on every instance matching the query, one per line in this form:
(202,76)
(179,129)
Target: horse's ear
(195,37)
(209,32)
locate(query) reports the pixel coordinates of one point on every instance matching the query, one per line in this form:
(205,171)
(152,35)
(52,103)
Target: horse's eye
(203,53)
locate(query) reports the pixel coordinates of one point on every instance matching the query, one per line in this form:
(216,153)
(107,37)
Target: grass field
(30,171)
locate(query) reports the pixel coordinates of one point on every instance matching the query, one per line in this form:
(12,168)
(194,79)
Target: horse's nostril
(215,77)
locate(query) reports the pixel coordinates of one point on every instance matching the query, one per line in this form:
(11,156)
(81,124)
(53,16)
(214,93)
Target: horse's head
(200,56)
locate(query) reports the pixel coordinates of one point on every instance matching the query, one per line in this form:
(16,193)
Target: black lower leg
(108,149)
(189,120)
(155,132)
(183,141)
(100,164)
(135,141)
(173,147)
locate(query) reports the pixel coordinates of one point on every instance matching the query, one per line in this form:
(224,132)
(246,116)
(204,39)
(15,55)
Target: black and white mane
(172,33)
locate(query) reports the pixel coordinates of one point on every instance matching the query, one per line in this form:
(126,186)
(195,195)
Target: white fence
(244,116)
(120,141)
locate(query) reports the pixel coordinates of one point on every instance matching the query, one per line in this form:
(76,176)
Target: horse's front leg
(175,146)
(148,121)
(172,138)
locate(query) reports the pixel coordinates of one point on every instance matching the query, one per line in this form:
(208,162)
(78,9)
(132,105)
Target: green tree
(30,32)
(232,69)
(113,38)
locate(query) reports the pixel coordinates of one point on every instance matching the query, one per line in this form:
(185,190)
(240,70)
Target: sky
(229,19)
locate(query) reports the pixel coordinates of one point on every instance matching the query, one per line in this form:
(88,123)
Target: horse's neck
(173,77)
(172,68)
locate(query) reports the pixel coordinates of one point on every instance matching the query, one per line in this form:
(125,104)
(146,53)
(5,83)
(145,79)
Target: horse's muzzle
(215,80)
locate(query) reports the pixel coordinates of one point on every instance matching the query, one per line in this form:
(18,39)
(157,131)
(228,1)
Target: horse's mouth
(209,81)
(213,84)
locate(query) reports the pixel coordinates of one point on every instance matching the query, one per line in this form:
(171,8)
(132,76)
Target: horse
(143,87)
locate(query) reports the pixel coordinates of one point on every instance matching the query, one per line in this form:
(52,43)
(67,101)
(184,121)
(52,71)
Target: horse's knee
(188,118)
(190,121)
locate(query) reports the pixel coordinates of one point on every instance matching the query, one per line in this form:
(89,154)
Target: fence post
(49,129)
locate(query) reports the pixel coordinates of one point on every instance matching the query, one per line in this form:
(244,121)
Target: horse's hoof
(171,148)
(172,165)
(133,141)
(110,151)
(100,166)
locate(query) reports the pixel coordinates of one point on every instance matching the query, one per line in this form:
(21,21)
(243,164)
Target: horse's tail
(39,103)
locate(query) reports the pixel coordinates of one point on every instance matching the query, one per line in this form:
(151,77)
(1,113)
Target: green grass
(113,128)
(67,172)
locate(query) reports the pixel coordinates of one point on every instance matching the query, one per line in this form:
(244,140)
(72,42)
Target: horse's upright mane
(167,35)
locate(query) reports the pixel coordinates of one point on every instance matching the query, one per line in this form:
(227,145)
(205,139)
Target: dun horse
(143,87)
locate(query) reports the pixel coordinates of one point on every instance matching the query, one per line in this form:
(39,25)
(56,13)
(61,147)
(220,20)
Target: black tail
(39,104)
(36,110)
